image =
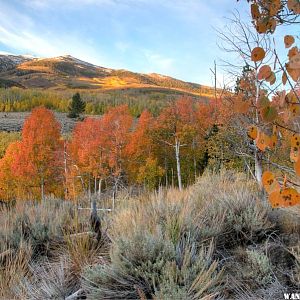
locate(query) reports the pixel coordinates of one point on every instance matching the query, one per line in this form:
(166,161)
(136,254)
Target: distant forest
(97,102)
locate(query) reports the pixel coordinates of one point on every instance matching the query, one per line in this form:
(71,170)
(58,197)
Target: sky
(170,37)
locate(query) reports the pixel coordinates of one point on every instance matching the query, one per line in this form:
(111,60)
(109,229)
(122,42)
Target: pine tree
(76,107)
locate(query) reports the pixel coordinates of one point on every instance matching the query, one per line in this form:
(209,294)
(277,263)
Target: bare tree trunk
(194,160)
(89,191)
(258,166)
(166,172)
(258,155)
(100,187)
(42,189)
(177,154)
(65,170)
(114,199)
(115,192)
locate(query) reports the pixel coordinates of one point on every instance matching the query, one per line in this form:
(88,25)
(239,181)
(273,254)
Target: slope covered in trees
(97,103)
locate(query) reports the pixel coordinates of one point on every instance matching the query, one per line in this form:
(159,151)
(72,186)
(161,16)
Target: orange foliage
(140,145)
(85,147)
(115,128)
(284,108)
(36,161)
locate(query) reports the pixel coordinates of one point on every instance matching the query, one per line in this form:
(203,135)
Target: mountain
(67,72)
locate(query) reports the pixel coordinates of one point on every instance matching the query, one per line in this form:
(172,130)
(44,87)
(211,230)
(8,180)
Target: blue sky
(171,37)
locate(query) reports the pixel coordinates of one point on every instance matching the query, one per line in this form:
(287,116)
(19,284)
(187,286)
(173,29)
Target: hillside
(67,72)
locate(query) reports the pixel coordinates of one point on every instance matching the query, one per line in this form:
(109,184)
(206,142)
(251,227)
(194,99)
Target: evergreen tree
(76,107)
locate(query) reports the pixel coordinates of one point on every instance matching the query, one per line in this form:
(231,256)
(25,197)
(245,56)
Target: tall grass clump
(32,236)
(14,265)
(232,209)
(43,225)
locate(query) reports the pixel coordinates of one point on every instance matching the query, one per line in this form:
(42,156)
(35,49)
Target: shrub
(41,224)
(47,281)
(231,209)
(165,245)
(150,265)
(260,268)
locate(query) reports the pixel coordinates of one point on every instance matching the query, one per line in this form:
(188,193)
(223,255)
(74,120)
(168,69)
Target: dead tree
(95,221)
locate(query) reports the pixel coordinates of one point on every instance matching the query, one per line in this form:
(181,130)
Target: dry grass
(14,265)
(218,239)
(32,236)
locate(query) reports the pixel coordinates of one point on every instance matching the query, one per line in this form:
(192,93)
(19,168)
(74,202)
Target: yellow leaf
(274,7)
(269,182)
(292,52)
(289,40)
(269,113)
(294,73)
(240,105)
(271,25)
(297,167)
(263,102)
(258,54)
(273,141)
(261,26)
(255,11)
(272,78)
(284,78)
(291,97)
(289,197)
(281,99)
(295,140)
(275,199)
(294,154)
(264,72)
(285,198)
(294,6)
(295,62)
(252,132)
(262,141)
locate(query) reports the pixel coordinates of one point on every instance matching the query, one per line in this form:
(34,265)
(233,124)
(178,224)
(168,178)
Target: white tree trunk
(100,187)
(65,169)
(194,160)
(258,155)
(42,189)
(258,166)
(177,154)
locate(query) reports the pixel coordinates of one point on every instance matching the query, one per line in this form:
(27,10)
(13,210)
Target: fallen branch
(75,295)
(75,235)
(103,209)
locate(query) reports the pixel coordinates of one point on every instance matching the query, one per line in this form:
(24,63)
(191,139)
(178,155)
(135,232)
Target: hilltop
(67,72)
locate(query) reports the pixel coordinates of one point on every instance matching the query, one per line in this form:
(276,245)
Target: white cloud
(45,4)
(20,33)
(27,42)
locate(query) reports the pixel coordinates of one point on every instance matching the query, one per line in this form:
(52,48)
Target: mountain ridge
(68,72)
